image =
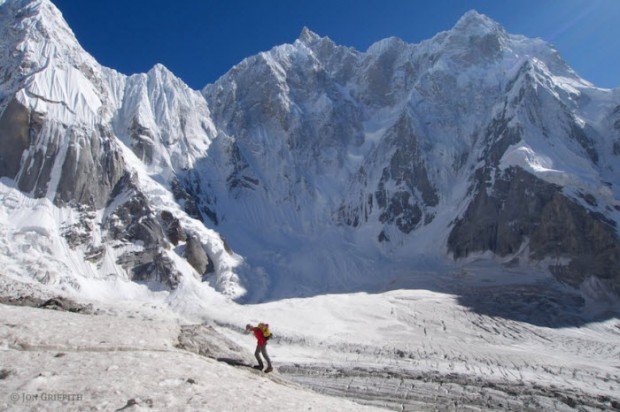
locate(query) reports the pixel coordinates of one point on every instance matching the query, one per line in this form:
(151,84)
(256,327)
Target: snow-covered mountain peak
(474,23)
(161,76)
(30,8)
(160,70)
(475,40)
(322,47)
(38,25)
(388,43)
(42,57)
(308,36)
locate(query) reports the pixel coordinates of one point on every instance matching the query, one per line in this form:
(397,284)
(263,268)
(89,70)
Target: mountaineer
(262,334)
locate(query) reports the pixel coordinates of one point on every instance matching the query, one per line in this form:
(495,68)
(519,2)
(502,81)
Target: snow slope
(117,361)
(404,350)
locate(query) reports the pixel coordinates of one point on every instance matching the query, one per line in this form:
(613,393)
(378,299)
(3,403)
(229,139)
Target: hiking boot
(269,369)
(259,367)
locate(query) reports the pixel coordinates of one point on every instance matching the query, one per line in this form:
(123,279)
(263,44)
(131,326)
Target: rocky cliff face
(88,139)
(320,164)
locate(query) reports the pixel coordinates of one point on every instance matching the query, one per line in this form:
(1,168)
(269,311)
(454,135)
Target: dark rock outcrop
(91,163)
(172,227)
(14,130)
(92,167)
(521,207)
(141,141)
(401,211)
(157,268)
(133,221)
(241,176)
(406,204)
(185,198)
(197,256)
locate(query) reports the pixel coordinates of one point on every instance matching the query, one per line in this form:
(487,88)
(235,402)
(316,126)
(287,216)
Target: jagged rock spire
(308,36)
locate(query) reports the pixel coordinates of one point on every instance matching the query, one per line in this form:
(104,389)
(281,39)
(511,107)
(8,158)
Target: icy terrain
(404,350)
(118,359)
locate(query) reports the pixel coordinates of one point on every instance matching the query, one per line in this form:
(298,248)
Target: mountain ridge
(314,160)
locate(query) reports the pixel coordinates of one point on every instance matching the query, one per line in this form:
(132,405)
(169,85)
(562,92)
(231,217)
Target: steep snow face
(97,150)
(56,102)
(164,122)
(284,103)
(50,72)
(384,153)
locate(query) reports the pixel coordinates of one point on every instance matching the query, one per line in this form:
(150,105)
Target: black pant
(262,350)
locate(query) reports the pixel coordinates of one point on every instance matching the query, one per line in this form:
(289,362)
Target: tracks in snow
(401,389)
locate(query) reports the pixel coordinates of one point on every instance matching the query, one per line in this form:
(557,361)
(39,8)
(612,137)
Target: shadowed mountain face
(326,169)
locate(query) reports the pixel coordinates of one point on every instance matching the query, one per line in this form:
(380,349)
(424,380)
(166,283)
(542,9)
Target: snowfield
(402,350)
(132,360)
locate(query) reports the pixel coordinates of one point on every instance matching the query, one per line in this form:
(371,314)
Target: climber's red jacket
(258,333)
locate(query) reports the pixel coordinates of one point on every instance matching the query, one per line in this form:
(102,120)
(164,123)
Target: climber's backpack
(265,328)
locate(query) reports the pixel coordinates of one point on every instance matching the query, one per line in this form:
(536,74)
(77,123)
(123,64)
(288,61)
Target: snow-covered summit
(308,36)
(473,23)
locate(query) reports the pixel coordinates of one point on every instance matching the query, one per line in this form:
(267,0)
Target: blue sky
(199,40)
